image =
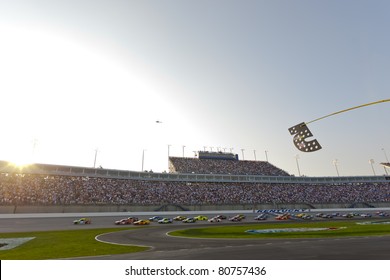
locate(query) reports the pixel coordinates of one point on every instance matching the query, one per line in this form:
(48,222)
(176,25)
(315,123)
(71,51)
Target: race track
(162,246)
(176,248)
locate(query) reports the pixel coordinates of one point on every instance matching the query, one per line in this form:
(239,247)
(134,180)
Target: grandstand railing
(48,169)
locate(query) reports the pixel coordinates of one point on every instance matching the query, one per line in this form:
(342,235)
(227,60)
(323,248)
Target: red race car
(128,221)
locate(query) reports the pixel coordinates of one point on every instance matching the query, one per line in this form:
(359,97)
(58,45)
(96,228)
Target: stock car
(307,217)
(189,220)
(365,215)
(82,221)
(179,218)
(325,216)
(261,217)
(382,214)
(222,217)
(165,221)
(155,218)
(348,215)
(141,222)
(128,221)
(215,220)
(284,216)
(237,218)
(201,218)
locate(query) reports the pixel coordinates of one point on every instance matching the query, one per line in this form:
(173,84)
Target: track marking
(116,243)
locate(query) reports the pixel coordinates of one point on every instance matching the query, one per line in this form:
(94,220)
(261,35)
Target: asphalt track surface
(161,246)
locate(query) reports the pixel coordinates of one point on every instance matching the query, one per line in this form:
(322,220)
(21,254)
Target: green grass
(239,231)
(64,244)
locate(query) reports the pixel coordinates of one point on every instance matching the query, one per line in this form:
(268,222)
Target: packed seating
(223,166)
(32,189)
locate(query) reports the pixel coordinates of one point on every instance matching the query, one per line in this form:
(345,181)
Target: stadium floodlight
(336,163)
(371,162)
(34,146)
(266,155)
(296,159)
(301,131)
(387,159)
(168,154)
(94,162)
(143,159)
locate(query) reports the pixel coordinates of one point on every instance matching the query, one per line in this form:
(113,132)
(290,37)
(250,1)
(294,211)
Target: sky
(80,79)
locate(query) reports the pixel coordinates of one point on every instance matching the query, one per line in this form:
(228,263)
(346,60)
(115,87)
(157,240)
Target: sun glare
(21,160)
(20,164)
(62,92)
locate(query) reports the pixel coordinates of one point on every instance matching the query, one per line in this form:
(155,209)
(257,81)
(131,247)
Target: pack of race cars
(278,216)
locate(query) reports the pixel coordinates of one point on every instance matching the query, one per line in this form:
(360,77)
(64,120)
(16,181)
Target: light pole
(242,152)
(266,155)
(296,159)
(143,159)
(371,162)
(34,142)
(168,154)
(387,161)
(94,162)
(335,163)
(254,152)
(183,150)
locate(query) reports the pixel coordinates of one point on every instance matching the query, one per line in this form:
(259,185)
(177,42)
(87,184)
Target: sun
(19,152)
(21,163)
(21,160)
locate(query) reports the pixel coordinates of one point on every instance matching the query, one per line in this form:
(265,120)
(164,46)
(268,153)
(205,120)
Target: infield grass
(64,244)
(343,229)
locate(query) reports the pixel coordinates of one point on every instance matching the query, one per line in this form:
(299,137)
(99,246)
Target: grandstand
(57,188)
(222,163)
(217,155)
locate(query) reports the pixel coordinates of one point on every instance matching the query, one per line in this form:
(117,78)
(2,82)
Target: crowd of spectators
(30,189)
(223,166)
